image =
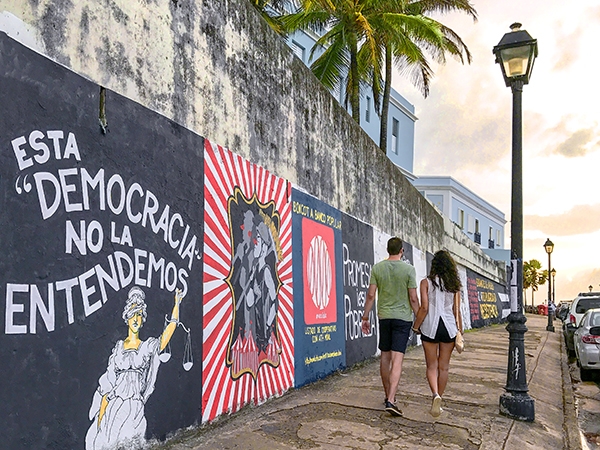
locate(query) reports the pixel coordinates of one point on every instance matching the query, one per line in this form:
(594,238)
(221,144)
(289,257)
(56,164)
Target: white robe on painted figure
(128,382)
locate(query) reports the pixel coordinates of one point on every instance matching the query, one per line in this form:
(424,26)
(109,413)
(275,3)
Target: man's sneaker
(436,406)
(392,409)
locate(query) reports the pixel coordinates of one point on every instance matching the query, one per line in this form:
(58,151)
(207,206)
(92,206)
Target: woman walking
(439,320)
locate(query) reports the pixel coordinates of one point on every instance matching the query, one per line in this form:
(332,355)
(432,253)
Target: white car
(583,302)
(587,344)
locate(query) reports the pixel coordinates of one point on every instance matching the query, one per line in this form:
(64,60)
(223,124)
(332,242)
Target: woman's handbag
(459,343)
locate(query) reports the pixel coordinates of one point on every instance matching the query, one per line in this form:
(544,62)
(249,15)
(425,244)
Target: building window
(477,235)
(298,50)
(461,219)
(368,110)
(470,223)
(498,241)
(395,132)
(491,234)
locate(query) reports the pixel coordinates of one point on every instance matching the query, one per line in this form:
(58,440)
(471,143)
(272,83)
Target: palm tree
(406,39)
(344,30)
(270,10)
(533,277)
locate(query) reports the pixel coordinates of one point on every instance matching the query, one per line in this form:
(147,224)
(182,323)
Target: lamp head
(549,246)
(516,53)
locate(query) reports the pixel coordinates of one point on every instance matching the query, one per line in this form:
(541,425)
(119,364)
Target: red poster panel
(318,245)
(248,301)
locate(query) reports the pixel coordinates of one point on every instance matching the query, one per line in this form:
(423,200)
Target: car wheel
(586,374)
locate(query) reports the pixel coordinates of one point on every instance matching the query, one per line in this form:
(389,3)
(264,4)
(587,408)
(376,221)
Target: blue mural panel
(318,289)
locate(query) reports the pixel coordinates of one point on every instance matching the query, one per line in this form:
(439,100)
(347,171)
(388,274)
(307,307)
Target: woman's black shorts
(440,336)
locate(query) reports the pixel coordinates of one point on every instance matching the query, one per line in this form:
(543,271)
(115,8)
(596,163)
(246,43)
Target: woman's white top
(440,306)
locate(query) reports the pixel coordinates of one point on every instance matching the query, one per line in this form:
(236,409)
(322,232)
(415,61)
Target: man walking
(395,283)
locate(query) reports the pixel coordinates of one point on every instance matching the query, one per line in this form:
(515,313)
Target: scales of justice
(188,358)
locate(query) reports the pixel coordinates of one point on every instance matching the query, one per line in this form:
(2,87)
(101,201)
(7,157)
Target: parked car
(586,340)
(583,302)
(562,310)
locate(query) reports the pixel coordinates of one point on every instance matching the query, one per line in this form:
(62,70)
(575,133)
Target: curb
(572,436)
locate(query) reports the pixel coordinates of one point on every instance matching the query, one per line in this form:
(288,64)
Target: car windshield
(587,303)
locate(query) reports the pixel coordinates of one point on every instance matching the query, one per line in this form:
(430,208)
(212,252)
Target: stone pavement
(345,410)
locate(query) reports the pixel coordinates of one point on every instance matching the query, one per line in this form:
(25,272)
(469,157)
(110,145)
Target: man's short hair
(394,246)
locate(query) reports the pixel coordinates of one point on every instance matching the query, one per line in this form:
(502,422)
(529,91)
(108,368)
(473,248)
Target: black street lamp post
(553,273)
(516,54)
(549,246)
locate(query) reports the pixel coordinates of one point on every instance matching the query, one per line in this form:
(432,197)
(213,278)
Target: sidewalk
(345,411)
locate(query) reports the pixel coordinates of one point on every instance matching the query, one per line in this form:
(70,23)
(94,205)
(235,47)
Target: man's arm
(414,300)
(366,327)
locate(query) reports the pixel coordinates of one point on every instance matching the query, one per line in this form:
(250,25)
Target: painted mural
(318,289)
(100,272)
(488,301)
(117,410)
(357,259)
(248,301)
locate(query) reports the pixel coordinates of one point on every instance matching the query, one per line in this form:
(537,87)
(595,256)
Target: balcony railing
(491,243)
(477,238)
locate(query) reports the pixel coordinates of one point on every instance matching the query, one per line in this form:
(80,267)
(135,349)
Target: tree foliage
(533,277)
(362,40)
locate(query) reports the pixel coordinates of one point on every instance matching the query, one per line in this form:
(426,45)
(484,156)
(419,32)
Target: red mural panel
(248,301)
(318,245)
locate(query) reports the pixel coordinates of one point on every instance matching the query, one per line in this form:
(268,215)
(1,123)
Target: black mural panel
(357,257)
(100,229)
(488,301)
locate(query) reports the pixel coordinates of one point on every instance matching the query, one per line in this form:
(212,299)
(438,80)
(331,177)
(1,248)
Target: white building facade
(480,220)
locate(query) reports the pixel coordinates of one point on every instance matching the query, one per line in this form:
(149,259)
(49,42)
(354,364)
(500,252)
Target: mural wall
(151,280)
(248,301)
(100,273)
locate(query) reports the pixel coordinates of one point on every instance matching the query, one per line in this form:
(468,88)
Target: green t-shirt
(393,280)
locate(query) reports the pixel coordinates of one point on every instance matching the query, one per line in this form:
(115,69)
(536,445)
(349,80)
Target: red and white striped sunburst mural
(248,303)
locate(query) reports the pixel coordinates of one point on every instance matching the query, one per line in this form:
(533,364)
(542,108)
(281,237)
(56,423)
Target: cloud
(567,49)
(581,219)
(579,143)
(569,288)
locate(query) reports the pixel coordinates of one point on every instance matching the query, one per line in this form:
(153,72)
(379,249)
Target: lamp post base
(517,406)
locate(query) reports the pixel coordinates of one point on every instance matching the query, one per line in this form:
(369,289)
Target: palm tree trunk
(354,83)
(385,105)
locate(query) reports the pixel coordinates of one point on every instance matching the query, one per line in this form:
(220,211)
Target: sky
(465,125)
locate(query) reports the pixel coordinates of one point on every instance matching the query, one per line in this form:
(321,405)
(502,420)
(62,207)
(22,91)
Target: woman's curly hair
(444,268)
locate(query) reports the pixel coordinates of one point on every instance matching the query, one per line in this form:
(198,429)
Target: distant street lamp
(516,54)
(549,246)
(590,287)
(553,272)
